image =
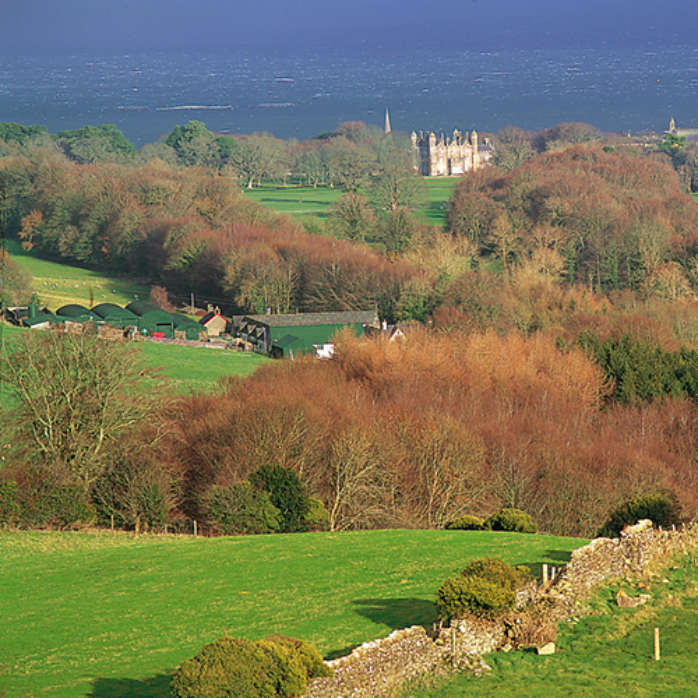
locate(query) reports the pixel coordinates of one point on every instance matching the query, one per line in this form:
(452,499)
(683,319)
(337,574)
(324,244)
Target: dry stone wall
(377,668)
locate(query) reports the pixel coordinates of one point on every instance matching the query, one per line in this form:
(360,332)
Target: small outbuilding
(215,324)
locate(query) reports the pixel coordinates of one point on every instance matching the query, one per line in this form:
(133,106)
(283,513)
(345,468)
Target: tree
(194,144)
(397,185)
(96,143)
(351,217)
(15,282)
(257,156)
(75,401)
(513,148)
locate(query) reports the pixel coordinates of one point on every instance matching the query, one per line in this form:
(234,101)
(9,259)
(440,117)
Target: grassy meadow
(58,284)
(606,654)
(110,614)
(306,202)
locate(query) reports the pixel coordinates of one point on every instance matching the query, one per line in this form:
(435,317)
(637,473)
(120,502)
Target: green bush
(511,520)
(241,508)
(484,588)
(274,666)
(496,570)
(476,595)
(287,494)
(661,507)
(317,518)
(227,667)
(466,523)
(309,655)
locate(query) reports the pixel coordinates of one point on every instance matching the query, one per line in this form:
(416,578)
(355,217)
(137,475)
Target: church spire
(388,129)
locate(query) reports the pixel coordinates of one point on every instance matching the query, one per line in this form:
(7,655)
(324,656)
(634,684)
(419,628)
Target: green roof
(285,342)
(142,307)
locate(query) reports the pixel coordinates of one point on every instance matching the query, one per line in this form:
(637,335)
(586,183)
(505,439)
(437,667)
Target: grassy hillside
(301,202)
(58,284)
(607,654)
(110,615)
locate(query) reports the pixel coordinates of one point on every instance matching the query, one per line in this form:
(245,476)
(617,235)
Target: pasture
(304,202)
(111,614)
(58,284)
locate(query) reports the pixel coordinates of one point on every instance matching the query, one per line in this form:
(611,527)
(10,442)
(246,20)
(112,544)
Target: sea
(302,95)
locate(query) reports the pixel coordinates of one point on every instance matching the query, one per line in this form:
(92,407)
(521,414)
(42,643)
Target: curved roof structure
(142,307)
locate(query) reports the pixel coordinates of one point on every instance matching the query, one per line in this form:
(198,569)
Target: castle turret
(476,151)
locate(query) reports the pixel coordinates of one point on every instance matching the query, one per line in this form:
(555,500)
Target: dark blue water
(147,94)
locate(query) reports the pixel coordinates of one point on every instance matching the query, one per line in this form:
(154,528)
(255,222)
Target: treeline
(410,433)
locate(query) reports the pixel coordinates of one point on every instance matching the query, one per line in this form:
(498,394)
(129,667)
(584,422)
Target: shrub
(287,494)
(483,588)
(10,508)
(476,595)
(498,571)
(466,523)
(241,508)
(661,507)
(274,666)
(309,655)
(227,667)
(317,518)
(511,520)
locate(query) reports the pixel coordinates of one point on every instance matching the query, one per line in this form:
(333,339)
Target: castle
(449,156)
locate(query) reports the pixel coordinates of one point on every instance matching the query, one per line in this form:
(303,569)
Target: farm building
(300,333)
(187,327)
(32,316)
(77,313)
(115,315)
(215,324)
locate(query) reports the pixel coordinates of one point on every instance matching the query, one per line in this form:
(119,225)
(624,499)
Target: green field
(105,614)
(58,284)
(301,202)
(607,654)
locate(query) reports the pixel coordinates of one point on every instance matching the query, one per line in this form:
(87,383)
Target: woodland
(549,360)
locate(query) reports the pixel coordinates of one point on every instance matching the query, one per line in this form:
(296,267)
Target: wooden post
(453,646)
(195,527)
(112,522)
(545,573)
(657,655)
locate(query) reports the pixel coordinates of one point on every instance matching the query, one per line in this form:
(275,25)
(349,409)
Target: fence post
(112,522)
(545,573)
(195,527)
(656,645)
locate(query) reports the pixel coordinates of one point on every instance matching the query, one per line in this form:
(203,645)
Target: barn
(291,335)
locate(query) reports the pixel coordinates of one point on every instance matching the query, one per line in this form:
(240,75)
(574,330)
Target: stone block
(547,648)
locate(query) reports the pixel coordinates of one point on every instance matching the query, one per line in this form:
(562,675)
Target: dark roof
(299,319)
(286,341)
(73,310)
(142,307)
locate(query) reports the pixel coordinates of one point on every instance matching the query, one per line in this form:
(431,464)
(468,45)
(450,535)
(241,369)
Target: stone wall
(377,668)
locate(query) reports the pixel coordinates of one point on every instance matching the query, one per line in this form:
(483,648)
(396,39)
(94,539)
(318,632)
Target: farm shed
(214,323)
(115,315)
(291,335)
(191,328)
(77,313)
(42,320)
(154,321)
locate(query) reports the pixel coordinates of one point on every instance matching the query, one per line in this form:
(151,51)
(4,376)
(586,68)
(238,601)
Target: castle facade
(454,155)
